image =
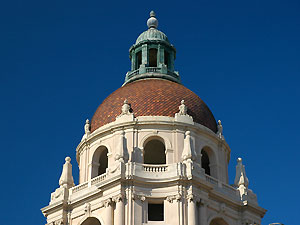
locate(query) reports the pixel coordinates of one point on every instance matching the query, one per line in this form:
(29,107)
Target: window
(153,57)
(154,152)
(99,162)
(218,221)
(91,221)
(155,212)
(138,60)
(166,59)
(205,162)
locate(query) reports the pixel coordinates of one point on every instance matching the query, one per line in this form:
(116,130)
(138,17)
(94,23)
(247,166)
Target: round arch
(95,218)
(99,161)
(209,161)
(218,221)
(151,136)
(154,151)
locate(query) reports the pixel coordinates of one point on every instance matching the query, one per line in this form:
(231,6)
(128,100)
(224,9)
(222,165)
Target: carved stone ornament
(125,108)
(220,130)
(107,202)
(57,222)
(182,108)
(222,207)
(172,198)
(193,197)
(140,197)
(118,198)
(87,127)
(182,115)
(87,208)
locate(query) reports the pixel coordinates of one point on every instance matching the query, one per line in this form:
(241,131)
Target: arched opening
(154,152)
(166,60)
(153,57)
(138,60)
(218,221)
(99,161)
(91,221)
(209,162)
(205,162)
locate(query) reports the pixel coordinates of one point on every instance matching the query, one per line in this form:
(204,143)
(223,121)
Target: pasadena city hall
(153,154)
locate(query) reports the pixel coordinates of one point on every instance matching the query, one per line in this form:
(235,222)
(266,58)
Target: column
(119,215)
(133,60)
(160,55)
(145,54)
(108,211)
(192,215)
(203,212)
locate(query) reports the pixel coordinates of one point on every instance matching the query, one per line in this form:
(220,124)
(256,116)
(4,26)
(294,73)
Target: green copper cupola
(152,55)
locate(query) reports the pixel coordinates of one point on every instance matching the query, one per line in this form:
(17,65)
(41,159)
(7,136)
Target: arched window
(166,59)
(153,57)
(205,161)
(138,60)
(154,152)
(99,161)
(218,221)
(91,221)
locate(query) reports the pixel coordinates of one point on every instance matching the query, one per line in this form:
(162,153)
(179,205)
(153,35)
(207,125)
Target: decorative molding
(87,209)
(107,202)
(118,198)
(193,197)
(140,197)
(172,198)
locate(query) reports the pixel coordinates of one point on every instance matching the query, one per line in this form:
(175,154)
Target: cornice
(112,127)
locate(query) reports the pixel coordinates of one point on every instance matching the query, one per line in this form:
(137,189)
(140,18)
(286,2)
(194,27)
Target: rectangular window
(155,212)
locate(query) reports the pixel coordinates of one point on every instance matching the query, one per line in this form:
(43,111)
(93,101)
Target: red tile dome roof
(153,97)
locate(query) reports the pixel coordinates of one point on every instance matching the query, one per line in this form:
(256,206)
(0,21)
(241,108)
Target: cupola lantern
(152,55)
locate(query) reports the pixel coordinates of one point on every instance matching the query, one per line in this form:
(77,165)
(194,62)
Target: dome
(153,97)
(152,34)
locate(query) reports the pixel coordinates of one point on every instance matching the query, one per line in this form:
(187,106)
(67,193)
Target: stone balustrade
(158,173)
(155,168)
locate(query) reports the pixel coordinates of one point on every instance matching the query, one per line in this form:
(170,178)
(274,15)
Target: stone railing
(222,187)
(153,69)
(99,179)
(155,168)
(211,180)
(89,183)
(130,74)
(79,187)
(164,172)
(156,172)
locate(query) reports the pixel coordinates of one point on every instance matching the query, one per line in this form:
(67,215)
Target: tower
(153,154)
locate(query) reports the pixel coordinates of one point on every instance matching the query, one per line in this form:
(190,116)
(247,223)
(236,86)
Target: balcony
(160,174)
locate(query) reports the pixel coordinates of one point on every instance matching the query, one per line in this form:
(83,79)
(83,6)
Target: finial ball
(68,159)
(239,160)
(152,22)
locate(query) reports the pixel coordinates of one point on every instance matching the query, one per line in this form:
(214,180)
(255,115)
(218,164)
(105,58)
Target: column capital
(140,197)
(118,198)
(107,202)
(192,197)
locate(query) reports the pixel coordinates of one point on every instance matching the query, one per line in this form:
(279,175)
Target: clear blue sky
(60,59)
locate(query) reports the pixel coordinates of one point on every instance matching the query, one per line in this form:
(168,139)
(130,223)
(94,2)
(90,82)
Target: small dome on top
(152,33)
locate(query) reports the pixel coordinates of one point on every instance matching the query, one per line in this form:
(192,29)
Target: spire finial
(152,22)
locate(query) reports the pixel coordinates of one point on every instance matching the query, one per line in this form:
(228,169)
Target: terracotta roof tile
(153,97)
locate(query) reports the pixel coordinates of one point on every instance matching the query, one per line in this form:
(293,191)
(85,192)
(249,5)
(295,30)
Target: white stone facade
(127,188)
